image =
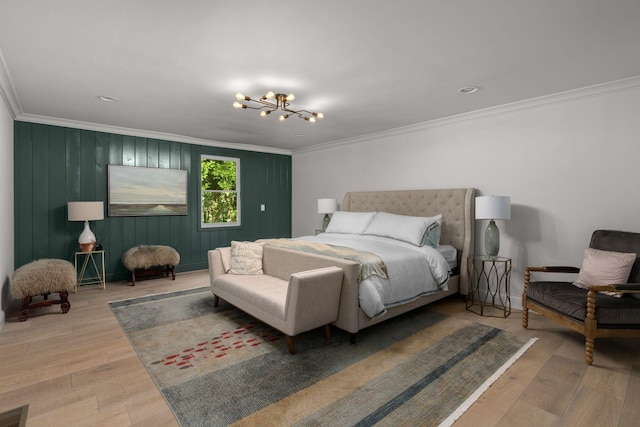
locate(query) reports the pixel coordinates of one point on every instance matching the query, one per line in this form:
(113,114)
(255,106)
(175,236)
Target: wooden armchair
(589,312)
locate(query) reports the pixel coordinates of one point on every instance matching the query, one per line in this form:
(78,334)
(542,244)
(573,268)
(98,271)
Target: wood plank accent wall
(54,165)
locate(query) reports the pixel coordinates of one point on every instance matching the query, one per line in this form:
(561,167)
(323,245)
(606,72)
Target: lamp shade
(85,211)
(493,207)
(326,206)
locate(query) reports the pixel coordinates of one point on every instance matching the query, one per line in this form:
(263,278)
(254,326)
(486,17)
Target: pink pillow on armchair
(604,268)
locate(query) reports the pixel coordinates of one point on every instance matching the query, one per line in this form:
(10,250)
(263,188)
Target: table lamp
(492,208)
(86,211)
(326,207)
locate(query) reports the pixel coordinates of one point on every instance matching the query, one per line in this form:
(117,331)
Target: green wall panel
(54,165)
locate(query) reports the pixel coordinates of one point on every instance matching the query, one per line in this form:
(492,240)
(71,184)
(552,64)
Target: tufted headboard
(456,205)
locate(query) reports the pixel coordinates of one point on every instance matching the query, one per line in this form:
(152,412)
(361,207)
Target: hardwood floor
(79,369)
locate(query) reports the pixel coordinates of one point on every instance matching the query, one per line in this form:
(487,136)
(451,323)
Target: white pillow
(604,268)
(349,222)
(410,229)
(246,257)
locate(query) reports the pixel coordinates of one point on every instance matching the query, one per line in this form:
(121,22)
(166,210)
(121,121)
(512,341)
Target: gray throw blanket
(370,264)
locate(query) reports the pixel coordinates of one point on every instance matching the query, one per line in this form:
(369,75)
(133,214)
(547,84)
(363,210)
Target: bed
(280,260)
(457,230)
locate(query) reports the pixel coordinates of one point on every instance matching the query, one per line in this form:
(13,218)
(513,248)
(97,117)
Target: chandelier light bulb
(284,117)
(239,96)
(270,95)
(318,115)
(237,105)
(264,113)
(291,97)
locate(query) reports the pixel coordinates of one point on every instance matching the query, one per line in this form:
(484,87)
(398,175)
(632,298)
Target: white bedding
(413,271)
(450,254)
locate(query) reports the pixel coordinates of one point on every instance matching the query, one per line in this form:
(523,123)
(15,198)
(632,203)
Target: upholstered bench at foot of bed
(150,260)
(308,300)
(43,277)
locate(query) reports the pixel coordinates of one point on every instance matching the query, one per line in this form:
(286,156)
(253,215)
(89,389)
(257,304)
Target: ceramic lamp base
(87,239)
(87,247)
(492,240)
(325,222)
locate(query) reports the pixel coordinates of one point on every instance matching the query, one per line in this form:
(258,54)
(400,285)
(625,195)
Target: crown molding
(8,94)
(570,95)
(147,134)
(7,90)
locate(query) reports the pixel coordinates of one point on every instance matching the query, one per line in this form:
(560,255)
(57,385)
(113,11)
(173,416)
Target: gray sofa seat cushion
(571,301)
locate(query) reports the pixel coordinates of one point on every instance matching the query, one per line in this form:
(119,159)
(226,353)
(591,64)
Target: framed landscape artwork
(140,191)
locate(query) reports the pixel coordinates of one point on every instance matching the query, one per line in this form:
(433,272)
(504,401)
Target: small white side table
(93,259)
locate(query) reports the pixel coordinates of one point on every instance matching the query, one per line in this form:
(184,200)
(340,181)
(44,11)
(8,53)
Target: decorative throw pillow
(410,229)
(432,235)
(246,257)
(604,268)
(349,222)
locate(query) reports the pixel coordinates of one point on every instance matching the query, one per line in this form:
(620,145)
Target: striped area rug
(219,366)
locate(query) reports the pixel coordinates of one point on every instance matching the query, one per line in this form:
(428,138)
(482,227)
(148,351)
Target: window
(220,191)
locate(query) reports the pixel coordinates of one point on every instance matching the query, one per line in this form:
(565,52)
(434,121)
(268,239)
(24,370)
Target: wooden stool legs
(27,304)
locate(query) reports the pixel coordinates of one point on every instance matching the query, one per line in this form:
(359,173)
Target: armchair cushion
(571,301)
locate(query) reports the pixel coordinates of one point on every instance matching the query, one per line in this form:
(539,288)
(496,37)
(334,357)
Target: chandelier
(282,103)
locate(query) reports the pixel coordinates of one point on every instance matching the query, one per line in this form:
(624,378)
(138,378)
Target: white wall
(6,208)
(570,162)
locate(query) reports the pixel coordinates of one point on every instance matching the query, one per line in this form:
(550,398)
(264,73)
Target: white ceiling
(368,65)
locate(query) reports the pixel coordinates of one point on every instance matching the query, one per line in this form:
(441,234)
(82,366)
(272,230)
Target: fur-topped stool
(150,260)
(43,277)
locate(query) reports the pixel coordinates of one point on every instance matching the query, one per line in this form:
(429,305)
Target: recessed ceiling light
(468,89)
(108,99)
